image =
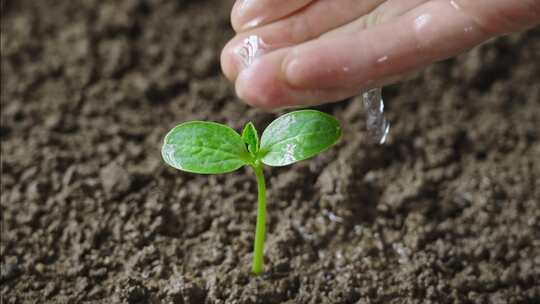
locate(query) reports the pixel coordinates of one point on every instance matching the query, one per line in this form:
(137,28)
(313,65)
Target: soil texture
(448,211)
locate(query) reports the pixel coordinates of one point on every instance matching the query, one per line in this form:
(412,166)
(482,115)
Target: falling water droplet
(377,125)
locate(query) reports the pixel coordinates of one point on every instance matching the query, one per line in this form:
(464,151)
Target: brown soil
(447,212)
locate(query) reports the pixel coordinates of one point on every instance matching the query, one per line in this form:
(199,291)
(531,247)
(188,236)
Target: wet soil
(448,211)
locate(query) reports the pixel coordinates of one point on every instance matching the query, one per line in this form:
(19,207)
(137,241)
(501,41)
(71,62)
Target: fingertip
(235,16)
(242,51)
(238,54)
(244,17)
(227,61)
(263,85)
(262,89)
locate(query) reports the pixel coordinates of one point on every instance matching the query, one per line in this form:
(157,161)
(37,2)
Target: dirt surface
(447,212)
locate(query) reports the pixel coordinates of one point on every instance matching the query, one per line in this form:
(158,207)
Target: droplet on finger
(252,48)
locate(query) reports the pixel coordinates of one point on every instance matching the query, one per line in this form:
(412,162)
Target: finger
(247,14)
(307,24)
(496,17)
(433,31)
(262,85)
(501,16)
(387,11)
(345,64)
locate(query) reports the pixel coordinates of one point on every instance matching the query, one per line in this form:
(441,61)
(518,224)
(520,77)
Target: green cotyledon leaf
(204,147)
(297,136)
(251,138)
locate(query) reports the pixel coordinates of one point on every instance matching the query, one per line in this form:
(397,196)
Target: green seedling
(211,148)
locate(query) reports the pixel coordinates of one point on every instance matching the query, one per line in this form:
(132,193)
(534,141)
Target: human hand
(318,51)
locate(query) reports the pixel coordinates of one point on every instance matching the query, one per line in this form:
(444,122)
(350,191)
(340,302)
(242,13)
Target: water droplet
(455,5)
(382,59)
(168,150)
(421,21)
(251,49)
(253,23)
(377,125)
(289,153)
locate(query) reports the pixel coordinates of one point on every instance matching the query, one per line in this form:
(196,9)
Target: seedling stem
(260,230)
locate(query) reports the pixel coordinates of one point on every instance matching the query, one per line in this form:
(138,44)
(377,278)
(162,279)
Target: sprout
(212,148)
